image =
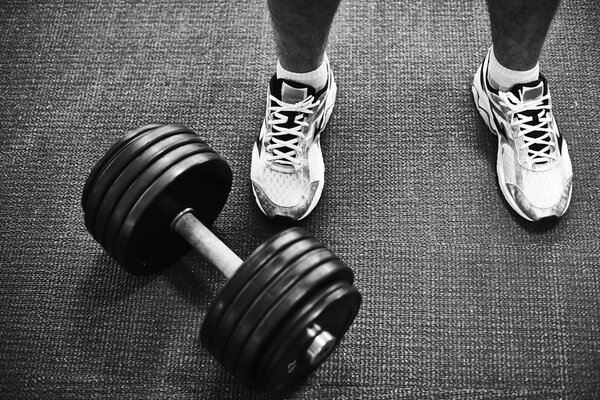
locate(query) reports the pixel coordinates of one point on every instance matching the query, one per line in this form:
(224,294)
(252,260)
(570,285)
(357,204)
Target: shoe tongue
(291,94)
(531,91)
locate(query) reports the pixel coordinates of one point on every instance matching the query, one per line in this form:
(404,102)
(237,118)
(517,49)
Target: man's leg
(287,165)
(301,29)
(533,166)
(519,30)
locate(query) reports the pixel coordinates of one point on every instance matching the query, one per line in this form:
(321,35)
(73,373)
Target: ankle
(316,78)
(502,78)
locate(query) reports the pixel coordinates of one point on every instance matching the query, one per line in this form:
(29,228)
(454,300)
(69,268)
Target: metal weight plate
(265,299)
(227,345)
(253,286)
(119,162)
(257,259)
(145,242)
(286,362)
(135,191)
(310,274)
(112,151)
(133,171)
(104,175)
(159,189)
(252,331)
(261,327)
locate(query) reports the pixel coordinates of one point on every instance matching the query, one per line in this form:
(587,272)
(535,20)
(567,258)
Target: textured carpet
(462,299)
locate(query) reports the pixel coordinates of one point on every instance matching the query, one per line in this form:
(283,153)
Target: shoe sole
(324,122)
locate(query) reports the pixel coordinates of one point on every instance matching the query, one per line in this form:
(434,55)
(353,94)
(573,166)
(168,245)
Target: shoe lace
(284,141)
(533,119)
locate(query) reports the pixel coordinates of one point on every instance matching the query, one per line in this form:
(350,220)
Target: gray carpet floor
(462,299)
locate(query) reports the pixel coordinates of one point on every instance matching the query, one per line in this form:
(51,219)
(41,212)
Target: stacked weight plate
(140,185)
(259,326)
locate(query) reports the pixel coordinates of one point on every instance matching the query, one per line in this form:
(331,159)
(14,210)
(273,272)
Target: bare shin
(519,29)
(301,30)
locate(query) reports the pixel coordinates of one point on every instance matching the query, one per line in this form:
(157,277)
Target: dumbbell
(281,312)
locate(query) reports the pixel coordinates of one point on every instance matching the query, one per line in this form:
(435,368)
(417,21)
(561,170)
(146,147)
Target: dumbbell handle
(202,239)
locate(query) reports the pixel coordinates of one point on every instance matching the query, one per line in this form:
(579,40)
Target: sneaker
(533,165)
(287,165)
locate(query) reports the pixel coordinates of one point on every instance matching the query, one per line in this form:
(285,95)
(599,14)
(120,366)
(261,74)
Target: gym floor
(461,298)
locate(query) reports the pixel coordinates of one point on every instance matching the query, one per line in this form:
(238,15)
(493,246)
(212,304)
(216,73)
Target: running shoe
(287,164)
(533,165)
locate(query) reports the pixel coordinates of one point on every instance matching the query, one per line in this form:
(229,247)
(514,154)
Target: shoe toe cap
(295,208)
(551,203)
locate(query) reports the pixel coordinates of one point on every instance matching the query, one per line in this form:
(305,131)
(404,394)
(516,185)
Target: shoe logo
(498,117)
(560,140)
(321,115)
(499,125)
(259,139)
(259,147)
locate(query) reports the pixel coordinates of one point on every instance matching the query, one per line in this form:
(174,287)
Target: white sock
(317,78)
(504,79)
